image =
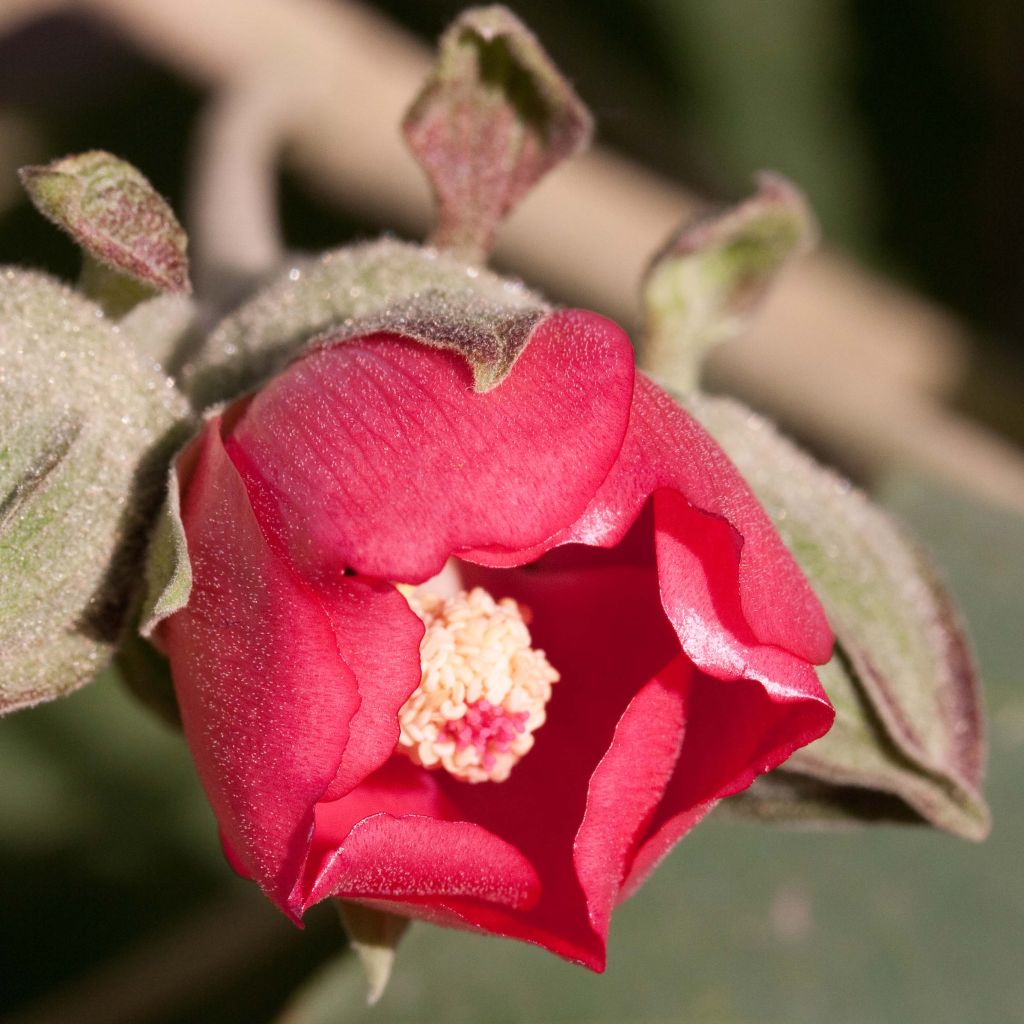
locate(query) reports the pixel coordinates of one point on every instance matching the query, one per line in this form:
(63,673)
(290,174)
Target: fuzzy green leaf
(712,274)
(147,674)
(908,718)
(381,286)
(86,432)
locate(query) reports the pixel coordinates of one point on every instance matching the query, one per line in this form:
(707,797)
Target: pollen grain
(484,689)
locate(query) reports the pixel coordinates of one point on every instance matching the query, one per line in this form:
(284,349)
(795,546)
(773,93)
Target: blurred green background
(902,123)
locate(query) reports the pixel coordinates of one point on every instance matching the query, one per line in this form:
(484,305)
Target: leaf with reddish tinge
(112,211)
(493,118)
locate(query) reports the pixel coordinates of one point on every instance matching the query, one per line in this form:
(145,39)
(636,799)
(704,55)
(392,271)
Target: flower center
(483,690)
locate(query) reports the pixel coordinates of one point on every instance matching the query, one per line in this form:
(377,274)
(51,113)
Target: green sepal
(168,571)
(390,286)
(375,935)
(147,674)
(86,432)
(704,285)
(903,682)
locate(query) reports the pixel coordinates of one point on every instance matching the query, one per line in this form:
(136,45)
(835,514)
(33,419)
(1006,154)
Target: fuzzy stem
(116,294)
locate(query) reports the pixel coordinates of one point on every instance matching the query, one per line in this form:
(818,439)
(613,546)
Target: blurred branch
(845,358)
(14,12)
(232,216)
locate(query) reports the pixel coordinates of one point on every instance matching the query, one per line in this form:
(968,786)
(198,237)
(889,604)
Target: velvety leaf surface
(85,427)
(903,680)
(493,118)
(116,216)
(380,286)
(159,328)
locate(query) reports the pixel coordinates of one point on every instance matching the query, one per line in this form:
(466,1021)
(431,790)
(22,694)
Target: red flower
(679,629)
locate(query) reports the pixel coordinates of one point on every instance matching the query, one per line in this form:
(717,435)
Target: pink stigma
(483,689)
(488,729)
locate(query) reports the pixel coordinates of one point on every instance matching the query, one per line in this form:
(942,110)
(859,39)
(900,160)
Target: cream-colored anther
(483,689)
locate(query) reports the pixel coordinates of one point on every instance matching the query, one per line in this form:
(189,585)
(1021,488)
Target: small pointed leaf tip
(709,278)
(493,118)
(375,935)
(115,215)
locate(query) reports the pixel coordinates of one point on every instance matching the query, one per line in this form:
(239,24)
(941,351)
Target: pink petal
(379,637)
(699,574)
(270,676)
(626,789)
(396,839)
(387,858)
(600,622)
(602,616)
(733,733)
(750,579)
(377,454)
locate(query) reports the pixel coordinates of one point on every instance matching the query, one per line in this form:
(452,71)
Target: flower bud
(709,278)
(111,210)
(133,245)
(494,117)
